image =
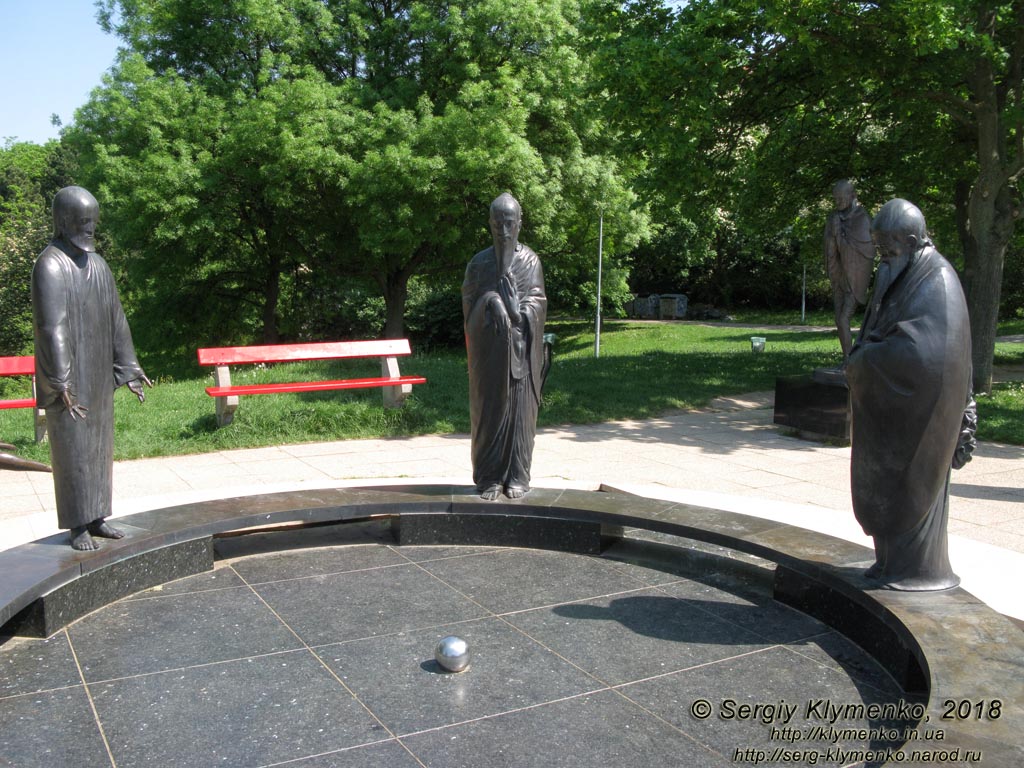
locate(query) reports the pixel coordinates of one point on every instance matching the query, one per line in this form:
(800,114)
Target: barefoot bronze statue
(912,412)
(83,351)
(504,308)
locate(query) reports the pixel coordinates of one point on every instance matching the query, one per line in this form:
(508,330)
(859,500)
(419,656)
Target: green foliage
(756,107)
(344,311)
(30,175)
(209,199)
(1011,304)
(434,316)
(256,159)
(572,289)
(665,263)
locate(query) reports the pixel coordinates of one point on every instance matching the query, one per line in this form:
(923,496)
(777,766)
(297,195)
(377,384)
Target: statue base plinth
(815,409)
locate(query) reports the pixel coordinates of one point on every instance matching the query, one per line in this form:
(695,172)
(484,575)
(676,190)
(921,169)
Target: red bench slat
(26,403)
(290,353)
(311,386)
(24,365)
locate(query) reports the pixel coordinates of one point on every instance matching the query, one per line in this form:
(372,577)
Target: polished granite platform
(320,656)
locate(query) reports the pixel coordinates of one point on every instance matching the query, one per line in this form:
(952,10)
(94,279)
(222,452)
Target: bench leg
(40,423)
(39,416)
(394,397)
(226,406)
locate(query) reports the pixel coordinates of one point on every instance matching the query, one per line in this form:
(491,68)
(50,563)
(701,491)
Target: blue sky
(52,54)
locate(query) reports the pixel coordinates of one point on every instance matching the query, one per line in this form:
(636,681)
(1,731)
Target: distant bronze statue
(849,258)
(83,351)
(913,417)
(504,308)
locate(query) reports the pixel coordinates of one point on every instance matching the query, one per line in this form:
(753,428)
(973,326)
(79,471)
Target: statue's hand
(135,385)
(76,409)
(966,441)
(509,297)
(499,316)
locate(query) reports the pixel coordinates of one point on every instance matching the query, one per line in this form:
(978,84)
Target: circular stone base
(648,655)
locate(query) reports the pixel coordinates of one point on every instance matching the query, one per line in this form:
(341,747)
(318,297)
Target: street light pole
(597,321)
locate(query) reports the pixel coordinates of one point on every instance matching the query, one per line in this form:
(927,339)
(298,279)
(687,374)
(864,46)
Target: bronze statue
(909,376)
(849,258)
(83,351)
(504,308)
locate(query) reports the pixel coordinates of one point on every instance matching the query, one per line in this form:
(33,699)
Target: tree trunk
(396,291)
(989,214)
(394,284)
(990,228)
(271,295)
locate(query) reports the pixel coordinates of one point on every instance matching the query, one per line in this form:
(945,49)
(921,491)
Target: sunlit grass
(1001,414)
(644,370)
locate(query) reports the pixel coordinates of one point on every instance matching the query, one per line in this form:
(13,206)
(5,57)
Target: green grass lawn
(644,369)
(1013,327)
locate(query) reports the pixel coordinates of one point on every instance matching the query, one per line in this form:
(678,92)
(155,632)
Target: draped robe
(849,252)
(910,379)
(504,368)
(82,345)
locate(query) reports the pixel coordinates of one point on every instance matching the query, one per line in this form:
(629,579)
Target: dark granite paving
(322,657)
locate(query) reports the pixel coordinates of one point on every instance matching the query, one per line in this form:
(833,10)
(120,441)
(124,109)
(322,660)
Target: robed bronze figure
(83,351)
(909,376)
(849,258)
(504,308)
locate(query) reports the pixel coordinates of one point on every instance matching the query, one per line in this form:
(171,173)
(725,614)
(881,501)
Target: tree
(248,149)
(209,172)
(30,175)
(761,105)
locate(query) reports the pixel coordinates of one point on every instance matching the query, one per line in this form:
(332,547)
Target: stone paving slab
(601,673)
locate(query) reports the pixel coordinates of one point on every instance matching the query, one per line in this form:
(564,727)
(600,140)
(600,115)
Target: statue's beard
(504,251)
(83,242)
(888,271)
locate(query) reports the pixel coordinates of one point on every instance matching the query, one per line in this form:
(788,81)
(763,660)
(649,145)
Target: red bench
(395,386)
(24,365)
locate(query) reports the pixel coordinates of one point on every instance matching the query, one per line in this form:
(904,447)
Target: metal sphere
(452,653)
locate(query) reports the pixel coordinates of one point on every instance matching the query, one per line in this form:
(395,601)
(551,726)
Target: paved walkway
(729,456)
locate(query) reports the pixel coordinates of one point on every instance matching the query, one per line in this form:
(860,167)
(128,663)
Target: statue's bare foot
(874,571)
(106,531)
(491,493)
(514,492)
(82,541)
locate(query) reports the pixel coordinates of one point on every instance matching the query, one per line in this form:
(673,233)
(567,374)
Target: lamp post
(597,320)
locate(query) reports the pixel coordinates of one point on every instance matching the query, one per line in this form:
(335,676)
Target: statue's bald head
(506,203)
(75,213)
(900,218)
(506,220)
(844,194)
(899,232)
